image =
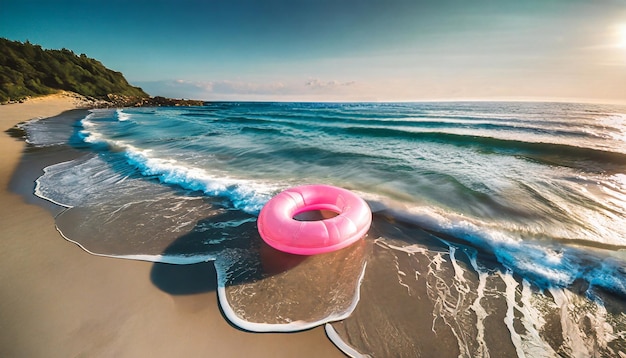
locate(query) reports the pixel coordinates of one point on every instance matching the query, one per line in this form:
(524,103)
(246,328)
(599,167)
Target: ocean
(499,228)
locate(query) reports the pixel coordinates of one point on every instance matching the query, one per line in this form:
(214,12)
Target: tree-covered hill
(28,70)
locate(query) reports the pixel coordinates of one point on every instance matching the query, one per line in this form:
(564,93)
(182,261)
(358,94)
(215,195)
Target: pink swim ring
(279,229)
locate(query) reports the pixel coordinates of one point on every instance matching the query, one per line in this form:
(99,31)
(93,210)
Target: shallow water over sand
(498,227)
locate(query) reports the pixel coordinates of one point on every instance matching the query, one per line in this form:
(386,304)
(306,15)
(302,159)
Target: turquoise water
(533,192)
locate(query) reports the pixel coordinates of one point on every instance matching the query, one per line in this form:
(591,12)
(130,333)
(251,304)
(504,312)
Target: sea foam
(488,201)
(246,195)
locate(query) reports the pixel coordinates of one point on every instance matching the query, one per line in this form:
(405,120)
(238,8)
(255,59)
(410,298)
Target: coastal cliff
(28,70)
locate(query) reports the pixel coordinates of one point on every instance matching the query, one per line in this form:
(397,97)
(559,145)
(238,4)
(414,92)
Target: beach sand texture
(56,300)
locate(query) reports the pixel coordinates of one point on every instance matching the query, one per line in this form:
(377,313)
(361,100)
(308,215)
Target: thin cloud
(316,84)
(311,89)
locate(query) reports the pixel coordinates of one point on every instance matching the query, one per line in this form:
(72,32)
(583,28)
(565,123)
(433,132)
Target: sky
(334,50)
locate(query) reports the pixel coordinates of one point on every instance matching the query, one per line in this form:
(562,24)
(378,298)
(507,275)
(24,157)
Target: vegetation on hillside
(28,70)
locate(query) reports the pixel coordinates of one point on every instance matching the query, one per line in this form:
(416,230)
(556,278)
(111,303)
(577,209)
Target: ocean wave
(306,146)
(545,263)
(122,115)
(548,153)
(470,225)
(246,195)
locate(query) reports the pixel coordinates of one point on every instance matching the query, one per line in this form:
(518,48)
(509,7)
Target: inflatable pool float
(279,227)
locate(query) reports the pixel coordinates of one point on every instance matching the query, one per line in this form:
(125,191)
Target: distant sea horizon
(495,99)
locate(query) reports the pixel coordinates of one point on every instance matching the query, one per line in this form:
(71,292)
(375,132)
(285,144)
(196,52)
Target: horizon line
(438,100)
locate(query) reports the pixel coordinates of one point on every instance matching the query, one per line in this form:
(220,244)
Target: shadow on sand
(184,279)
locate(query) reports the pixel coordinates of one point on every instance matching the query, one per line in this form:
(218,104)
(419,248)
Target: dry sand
(56,300)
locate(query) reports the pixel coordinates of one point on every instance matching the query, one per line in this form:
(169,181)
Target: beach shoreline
(455,278)
(58,301)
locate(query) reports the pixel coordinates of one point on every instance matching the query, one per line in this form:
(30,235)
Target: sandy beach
(56,300)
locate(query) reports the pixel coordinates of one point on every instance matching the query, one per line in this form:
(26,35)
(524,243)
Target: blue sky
(333,50)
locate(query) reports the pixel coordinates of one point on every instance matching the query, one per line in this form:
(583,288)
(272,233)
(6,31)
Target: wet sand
(56,300)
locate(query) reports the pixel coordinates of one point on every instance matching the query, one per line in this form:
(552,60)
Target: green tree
(28,70)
